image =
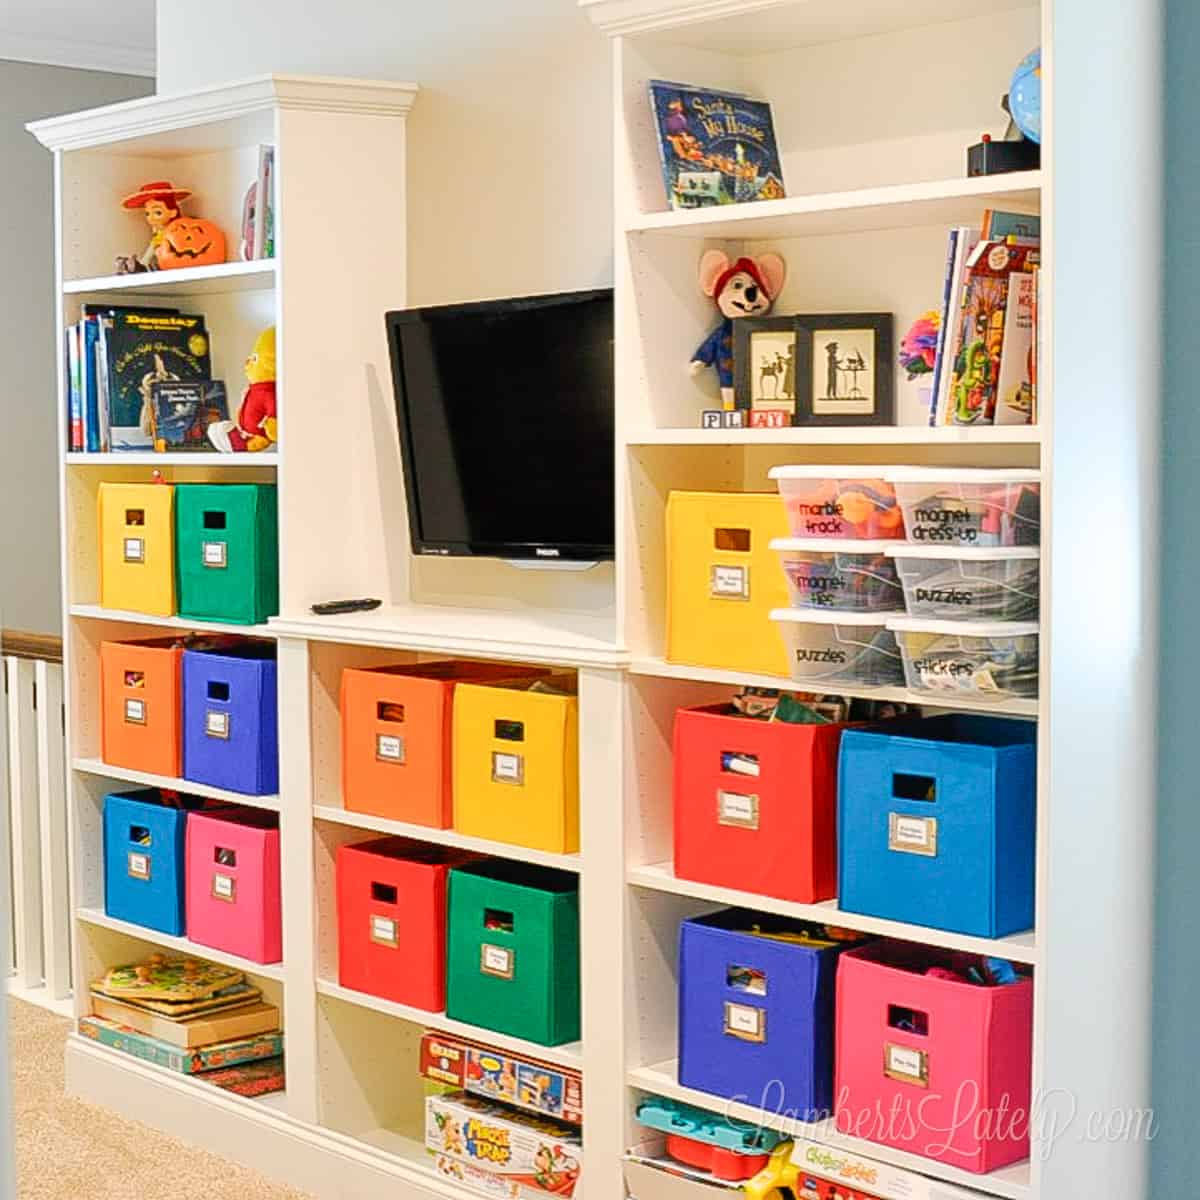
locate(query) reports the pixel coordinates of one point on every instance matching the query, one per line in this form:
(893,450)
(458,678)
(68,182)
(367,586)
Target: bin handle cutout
(139,835)
(384,893)
(746,979)
(214,520)
(906,786)
(740,762)
(135,679)
(497,920)
(218,691)
(737,540)
(389,712)
(510,731)
(135,516)
(908,1020)
(224,857)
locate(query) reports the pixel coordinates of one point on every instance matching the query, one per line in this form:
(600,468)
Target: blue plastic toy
(672,1117)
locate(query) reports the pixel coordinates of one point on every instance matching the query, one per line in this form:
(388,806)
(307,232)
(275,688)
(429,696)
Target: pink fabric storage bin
(233,883)
(955,1084)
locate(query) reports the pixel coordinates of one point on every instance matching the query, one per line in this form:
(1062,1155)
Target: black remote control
(329,607)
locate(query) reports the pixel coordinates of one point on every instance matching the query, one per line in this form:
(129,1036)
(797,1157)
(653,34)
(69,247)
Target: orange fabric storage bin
(396,731)
(139,705)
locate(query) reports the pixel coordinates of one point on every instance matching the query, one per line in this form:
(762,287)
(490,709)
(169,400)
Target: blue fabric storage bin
(143,859)
(230,718)
(936,823)
(773,1046)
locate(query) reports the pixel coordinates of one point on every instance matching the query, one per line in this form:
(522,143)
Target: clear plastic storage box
(839,502)
(830,648)
(843,575)
(968,583)
(976,660)
(969,507)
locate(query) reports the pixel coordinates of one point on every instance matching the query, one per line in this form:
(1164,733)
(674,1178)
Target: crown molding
(77,53)
(622,18)
(157,114)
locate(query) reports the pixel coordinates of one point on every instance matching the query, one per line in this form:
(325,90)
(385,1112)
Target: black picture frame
(850,403)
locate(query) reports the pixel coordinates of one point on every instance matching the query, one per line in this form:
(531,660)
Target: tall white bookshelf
(875,103)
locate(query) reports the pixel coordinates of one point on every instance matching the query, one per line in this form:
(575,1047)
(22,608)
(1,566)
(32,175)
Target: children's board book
(185,1062)
(963,241)
(249,1079)
(182,412)
(144,348)
(979,328)
(715,147)
(203,1029)
(1014,393)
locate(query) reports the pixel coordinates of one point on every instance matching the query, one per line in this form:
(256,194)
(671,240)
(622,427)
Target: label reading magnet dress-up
(912,835)
(224,887)
(730,583)
(746,1022)
(135,712)
(496,960)
(215,554)
(138,865)
(216,724)
(389,748)
(135,550)
(383,932)
(508,768)
(906,1065)
(737,809)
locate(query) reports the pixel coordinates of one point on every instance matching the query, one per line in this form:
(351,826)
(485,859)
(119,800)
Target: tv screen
(505,411)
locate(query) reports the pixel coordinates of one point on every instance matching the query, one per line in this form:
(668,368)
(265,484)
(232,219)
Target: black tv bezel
(548,552)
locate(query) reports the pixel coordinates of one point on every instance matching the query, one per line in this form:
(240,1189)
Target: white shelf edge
(95,916)
(149,458)
(739,220)
(232,276)
(662,1079)
(888,435)
(96,766)
(94,612)
(666,670)
(447,837)
(1020,947)
(568,1055)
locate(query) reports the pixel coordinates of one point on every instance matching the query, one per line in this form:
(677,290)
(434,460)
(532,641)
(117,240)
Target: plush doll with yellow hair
(255,428)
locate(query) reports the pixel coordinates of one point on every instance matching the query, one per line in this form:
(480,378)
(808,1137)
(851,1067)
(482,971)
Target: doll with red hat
(175,240)
(746,287)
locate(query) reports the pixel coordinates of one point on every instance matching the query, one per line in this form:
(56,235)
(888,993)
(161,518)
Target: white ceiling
(100,35)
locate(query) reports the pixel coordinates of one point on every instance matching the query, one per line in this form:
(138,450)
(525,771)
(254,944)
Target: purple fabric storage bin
(756,1013)
(230,720)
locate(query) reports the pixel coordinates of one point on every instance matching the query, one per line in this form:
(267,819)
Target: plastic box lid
(826,616)
(822,471)
(833,545)
(960,475)
(970,553)
(981,629)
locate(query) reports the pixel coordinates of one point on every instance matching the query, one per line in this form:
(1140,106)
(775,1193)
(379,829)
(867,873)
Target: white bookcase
(875,103)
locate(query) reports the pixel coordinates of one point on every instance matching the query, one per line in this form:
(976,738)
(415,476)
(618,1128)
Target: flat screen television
(505,410)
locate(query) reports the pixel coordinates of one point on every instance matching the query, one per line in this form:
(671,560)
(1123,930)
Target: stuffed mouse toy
(745,288)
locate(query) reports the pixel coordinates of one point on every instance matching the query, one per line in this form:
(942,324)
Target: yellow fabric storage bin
(516,763)
(137,547)
(723,579)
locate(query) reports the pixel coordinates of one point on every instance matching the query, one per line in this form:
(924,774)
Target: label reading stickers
(496,960)
(215,554)
(730,583)
(746,1022)
(507,768)
(389,748)
(912,835)
(135,550)
(138,865)
(384,932)
(135,712)
(224,887)
(737,809)
(906,1065)
(216,724)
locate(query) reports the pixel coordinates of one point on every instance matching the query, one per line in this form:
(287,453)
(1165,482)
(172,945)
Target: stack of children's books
(985,372)
(193,1017)
(140,379)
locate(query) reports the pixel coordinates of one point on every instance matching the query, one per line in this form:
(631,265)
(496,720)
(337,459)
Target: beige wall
(29,412)
(510,183)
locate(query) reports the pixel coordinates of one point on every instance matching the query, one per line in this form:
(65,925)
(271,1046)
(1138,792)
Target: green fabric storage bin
(227,551)
(512,955)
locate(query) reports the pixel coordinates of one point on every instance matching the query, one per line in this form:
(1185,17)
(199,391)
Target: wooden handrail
(21,644)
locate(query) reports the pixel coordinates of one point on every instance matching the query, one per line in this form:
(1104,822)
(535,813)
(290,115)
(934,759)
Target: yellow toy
(256,427)
(779,1173)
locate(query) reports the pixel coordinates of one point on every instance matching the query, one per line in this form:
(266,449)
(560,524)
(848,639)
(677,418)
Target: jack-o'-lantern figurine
(176,240)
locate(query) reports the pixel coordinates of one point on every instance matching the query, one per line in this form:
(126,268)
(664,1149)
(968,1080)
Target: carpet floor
(68,1150)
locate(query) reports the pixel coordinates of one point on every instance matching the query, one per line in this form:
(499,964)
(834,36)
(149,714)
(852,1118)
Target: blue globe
(1025,95)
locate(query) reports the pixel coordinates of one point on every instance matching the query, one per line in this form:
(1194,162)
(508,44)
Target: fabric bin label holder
(216,717)
(730,581)
(383,930)
(390,746)
(224,885)
(508,766)
(735,808)
(746,1022)
(912,832)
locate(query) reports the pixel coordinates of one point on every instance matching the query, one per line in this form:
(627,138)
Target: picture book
(264,210)
(75,439)
(89,323)
(144,348)
(715,147)
(999,225)
(1014,392)
(203,1029)
(979,326)
(965,240)
(186,1062)
(250,1078)
(181,413)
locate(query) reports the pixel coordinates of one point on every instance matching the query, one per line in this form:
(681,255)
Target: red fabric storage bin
(774,833)
(391,912)
(938,1067)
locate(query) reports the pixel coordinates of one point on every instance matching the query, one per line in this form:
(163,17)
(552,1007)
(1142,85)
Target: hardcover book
(715,147)
(175,1058)
(144,348)
(182,412)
